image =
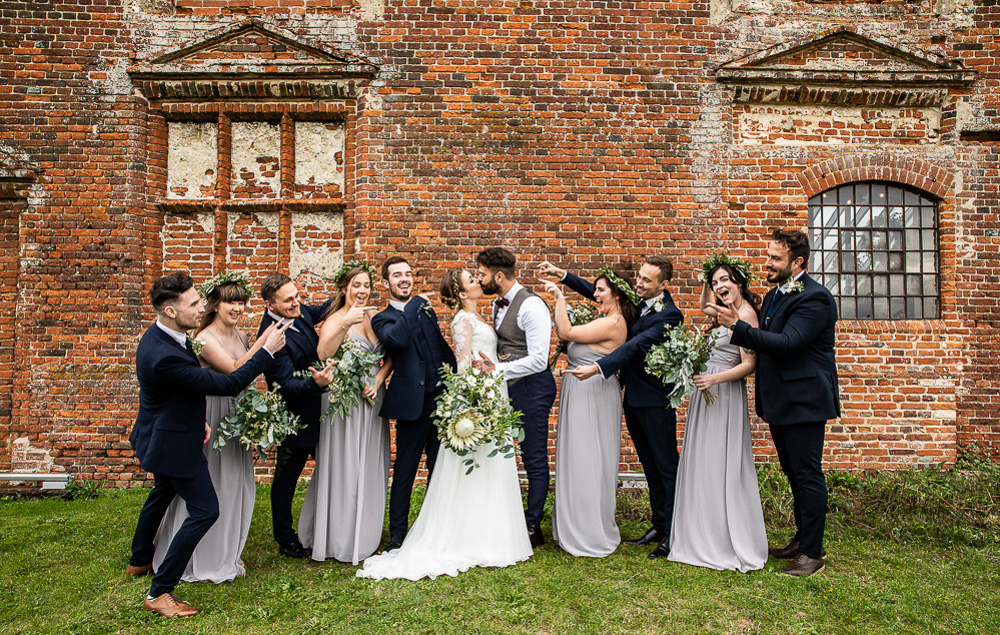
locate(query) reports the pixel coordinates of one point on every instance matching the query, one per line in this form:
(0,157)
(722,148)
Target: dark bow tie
(501,302)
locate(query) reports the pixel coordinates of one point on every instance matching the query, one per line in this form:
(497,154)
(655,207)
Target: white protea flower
(465,430)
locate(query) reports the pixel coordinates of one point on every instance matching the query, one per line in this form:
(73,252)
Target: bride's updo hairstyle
(629,311)
(451,286)
(741,282)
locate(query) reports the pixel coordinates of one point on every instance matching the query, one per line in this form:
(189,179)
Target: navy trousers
(533,396)
(413,438)
(288,468)
(654,435)
(202,504)
(800,453)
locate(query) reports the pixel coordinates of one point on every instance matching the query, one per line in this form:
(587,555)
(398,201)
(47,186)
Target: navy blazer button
(421,383)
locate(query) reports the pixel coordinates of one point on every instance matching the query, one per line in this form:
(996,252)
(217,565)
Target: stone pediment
(251,60)
(840,66)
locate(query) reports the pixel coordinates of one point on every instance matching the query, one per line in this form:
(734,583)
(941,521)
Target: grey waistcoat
(511,341)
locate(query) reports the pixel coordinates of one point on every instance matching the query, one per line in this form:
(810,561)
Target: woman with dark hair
(344,506)
(718,522)
(468,519)
(588,434)
(222,346)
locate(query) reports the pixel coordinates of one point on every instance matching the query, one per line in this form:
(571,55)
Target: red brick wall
(580,131)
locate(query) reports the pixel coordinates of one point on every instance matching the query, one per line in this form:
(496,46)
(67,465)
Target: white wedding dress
(467,520)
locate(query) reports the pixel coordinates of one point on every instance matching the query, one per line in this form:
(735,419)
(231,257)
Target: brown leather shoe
(803,566)
(788,552)
(169,606)
(135,572)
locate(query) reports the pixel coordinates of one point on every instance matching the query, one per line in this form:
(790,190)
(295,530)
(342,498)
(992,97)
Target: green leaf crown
(734,263)
(351,264)
(241,278)
(621,285)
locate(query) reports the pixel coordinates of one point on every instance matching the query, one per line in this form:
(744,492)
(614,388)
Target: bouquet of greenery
(352,370)
(677,360)
(580,312)
(261,421)
(473,410)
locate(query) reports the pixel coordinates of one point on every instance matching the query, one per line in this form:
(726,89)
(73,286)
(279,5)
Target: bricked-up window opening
(875,247)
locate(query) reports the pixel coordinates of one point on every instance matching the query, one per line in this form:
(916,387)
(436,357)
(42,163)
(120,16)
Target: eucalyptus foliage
(261,421)
(353,368)
(676,361)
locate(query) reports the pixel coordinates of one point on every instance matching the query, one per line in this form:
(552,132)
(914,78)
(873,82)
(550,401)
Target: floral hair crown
(618,283)
(241,278)
(737,265)
(351,264)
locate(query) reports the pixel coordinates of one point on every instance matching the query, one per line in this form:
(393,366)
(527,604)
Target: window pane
(896,284)
(831,239)
(895,261)
(862,240)
(847,261)
(829,197)
(862,216)
(927,216)
(912,239)
(866,310)
(931,310)
(914,308)
(861,194)
(895,195)
(830,217)
(880,261)
(930,285)
(896,241)
(930,261)
(881,308)
(897,309)
(865,285)
(830,261)
(848,308)
(881,285)
(845,195)
(911,218)
(814,214)
(880,216)
(864,261)
(911,198)
(895,217)
(913,261)
(929,238)
(815,260)
(913,286)
(847,284)
(832,282)
(878,194)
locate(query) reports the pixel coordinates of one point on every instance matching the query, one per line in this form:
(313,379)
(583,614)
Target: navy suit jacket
(170,428)
(642,390)
(301,394)
(403,338)
(796,367)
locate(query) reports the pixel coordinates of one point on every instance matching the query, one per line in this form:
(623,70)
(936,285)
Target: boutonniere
(196,344)
(794,287)
(428,310)
(657,306)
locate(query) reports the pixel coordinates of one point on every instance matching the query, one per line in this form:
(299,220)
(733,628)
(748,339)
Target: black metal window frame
(875,245)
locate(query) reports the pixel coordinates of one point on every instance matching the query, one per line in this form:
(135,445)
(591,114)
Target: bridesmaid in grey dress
(218,557)
(588,434)
(718,521)
(344,506)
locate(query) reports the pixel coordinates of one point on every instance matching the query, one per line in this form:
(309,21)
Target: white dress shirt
(179,337)
(536,322)
(647,304)
(281,320)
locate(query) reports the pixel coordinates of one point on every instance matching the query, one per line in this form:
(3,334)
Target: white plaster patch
(192,159)
(319,153)
(309,253)
(256,151)
(28,458)
(808,125)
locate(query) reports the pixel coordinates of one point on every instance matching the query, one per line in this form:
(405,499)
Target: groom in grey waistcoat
(524,332)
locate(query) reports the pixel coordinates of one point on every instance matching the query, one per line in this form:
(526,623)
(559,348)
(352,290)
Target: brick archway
(876,167)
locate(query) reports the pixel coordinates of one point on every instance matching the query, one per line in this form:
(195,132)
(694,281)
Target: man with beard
(170,430)
(524,332)
(409,331)
(651,422)
(797,389)
(302,395)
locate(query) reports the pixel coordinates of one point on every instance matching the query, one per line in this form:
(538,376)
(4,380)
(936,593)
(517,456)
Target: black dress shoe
(395,542)
(662,550)
(653,535)
(294,550)
(535,536)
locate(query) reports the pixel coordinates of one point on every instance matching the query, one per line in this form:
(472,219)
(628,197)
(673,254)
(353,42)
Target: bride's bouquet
(261,421)
(352,370)
(579,312)
(677,360)
(473,410)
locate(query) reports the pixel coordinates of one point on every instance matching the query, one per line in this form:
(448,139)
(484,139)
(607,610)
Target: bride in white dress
(467,520)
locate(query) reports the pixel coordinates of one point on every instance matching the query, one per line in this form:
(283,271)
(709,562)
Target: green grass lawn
(897,565)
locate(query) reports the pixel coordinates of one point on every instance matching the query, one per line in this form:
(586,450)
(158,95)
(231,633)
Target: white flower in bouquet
(472,412)
(261,421)
(676,361)
(353,368)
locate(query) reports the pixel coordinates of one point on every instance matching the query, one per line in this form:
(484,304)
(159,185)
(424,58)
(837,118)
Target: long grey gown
(344,506)
(218,557)
(718,522)
(588,448)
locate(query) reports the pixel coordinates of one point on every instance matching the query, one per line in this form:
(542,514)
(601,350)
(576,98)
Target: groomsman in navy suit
(170,430)
(409,331)
(650,420)
(302,396)
(797,391)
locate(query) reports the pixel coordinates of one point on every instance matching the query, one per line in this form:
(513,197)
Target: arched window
(875,247)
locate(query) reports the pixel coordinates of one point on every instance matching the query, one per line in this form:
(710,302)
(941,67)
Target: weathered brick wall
(580,131)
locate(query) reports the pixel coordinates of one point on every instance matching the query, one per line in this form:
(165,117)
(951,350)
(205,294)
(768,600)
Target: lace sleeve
(461,335)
